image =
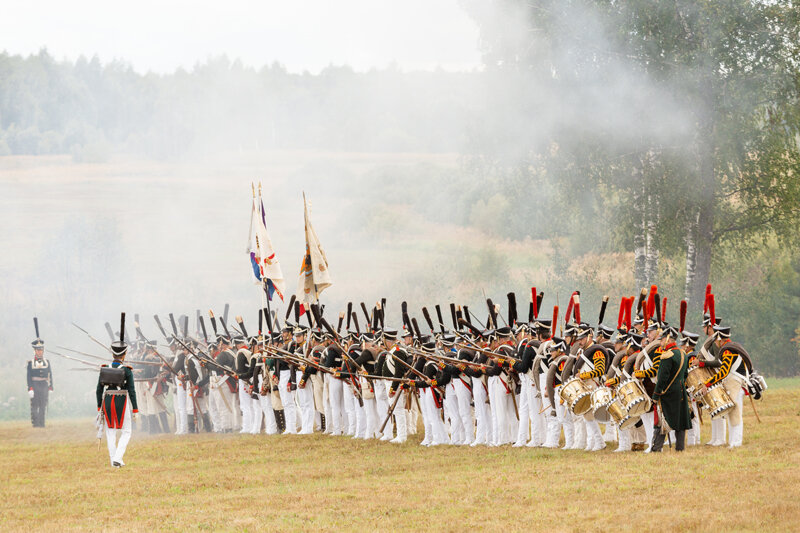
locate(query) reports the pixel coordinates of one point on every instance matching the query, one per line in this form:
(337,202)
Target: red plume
(684,307)
(577,308)
(705,301)
(533,299)
(622,305)
(569,309)
(664,310)
(712,310)
(555,322)
(629,313)
(651,301)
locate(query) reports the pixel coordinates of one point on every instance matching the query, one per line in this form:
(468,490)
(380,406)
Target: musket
(334,338)
(450,359)
(74,359)
(104,359)
(90,336)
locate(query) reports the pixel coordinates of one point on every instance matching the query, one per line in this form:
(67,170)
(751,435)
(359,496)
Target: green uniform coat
(674,400)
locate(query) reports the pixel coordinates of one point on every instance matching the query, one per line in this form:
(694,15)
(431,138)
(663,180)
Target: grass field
(56,479)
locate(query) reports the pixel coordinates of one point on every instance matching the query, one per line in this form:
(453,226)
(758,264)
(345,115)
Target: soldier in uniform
(593,355)
(556,348)
(116,397)
(732,374)
(688,344)
(395,369)
(709,355)
(180,399)
(670,392)
(633,346)
(285,375)
(40,380)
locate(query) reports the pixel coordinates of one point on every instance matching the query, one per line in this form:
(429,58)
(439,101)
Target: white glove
(30,393)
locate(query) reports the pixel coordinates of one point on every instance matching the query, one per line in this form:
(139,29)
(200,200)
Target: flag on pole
(314,275)
(265,265)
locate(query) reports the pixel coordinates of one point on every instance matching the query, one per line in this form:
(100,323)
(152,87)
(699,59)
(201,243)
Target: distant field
(56,479)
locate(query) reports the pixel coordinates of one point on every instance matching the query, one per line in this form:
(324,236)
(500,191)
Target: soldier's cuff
(135,410)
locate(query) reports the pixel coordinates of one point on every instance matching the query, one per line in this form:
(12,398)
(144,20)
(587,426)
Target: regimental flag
(314,275)
(265,265)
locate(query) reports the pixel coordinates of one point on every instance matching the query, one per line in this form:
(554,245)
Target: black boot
(190,424)
(207,426)
(322,422)
(658,440)
(280,420)
(680,440)
(164,422)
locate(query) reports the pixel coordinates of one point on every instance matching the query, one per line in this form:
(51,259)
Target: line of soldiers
(641,383)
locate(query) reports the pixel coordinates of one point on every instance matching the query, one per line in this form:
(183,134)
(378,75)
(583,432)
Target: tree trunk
(705,189)
(691,253)
(651,258)
(639,234)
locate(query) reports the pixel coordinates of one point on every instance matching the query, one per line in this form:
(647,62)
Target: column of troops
(523,383)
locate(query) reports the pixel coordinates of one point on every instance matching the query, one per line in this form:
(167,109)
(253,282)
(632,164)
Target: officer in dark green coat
(670,392)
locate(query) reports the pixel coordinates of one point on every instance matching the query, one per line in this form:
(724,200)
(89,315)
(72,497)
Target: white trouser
(625,441)
(401,416)
(382,407)
(578,432)
(648,419)
(371,413)
(179,404)
(305,401)
(270,424)
(257,415)
(463,397)
(223,401)
(565,419)
(734,417)
(538,427)
(335,420)
(287,399)
(499,413)
(610,434)
(594,438)
(553,426)
(360,413)
(116,450)
(718,431)
(483,431)
(452,414)
(523,403)
(350,404)
(435,433)
(245,404)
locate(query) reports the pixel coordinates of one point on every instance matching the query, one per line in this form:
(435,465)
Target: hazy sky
(161,35)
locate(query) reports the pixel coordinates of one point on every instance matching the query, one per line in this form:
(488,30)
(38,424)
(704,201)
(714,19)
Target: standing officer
(40,380)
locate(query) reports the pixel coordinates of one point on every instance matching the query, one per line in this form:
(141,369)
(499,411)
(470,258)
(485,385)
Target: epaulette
(128,366)
(104,365)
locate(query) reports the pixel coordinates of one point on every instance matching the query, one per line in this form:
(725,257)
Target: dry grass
(56,479)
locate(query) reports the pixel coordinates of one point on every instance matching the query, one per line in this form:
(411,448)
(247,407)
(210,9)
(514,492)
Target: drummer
(732,375)
(594,357)
(633,346)
(711,359)
(688,345)
(652,361)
